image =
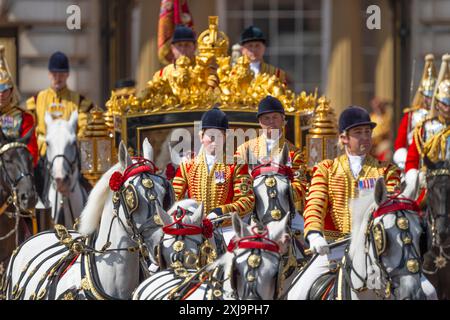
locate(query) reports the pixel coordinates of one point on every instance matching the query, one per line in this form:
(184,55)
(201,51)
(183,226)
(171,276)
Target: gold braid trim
(435,147)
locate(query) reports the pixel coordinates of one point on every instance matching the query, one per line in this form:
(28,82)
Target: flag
(172,13)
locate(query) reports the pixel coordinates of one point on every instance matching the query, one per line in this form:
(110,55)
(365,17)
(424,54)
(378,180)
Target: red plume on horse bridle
(206,229)
(141,165)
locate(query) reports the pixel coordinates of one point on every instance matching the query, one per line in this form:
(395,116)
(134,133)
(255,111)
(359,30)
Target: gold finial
(96,126)
(324,121)
(213,42)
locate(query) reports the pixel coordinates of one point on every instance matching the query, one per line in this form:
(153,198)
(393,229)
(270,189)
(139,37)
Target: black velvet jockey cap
(252,34)
(124,83)
(183,33)
(214,119)
(270,104)
(58,62)
(354,116)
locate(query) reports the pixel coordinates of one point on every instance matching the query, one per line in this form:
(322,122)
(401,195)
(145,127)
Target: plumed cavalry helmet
(442,89)
(214,119)
(252,34)
(183,33)
(6,81)
(58,62)
(428,81)
(354,116)
(270,104)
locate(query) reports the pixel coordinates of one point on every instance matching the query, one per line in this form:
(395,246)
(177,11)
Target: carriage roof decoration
(192,88)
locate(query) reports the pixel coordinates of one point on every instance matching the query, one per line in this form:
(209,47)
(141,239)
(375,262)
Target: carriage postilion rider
(222,187)
(15,123)
(336,181)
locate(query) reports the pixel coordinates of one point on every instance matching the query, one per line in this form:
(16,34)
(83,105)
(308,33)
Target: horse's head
(253,263)
(384,251)
(438,191)
(272,188)
(62,151)
(137,194)
(187,241)
(16,171)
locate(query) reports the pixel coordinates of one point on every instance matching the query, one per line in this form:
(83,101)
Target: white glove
(212,216)
(412,181)
(400,157)
(318,244)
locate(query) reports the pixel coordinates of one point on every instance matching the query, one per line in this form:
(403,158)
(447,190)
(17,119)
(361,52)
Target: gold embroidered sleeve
(241,154)
(392,177)
(243,197)
(317,199)
(179,182)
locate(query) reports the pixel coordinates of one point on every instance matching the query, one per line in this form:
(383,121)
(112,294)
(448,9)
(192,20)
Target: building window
(293,32)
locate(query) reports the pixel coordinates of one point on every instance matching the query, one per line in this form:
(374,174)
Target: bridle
(440,260)
(181,258)
(258,243)
(376,243)
(269,170)
(12,198)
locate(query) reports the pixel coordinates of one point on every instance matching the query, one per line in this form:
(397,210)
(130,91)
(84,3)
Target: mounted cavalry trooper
(183,44)
(417,113)
(15,123)
(270,144)
(432,136)
(58,100)
(222,187)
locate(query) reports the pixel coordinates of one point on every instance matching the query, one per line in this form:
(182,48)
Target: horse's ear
(124,157)
(412,181)
(73,121)
(239,226)
(48,119)
(147,150)
(380,191)
(26,138)
(276,229)
(163,215)
(197,215)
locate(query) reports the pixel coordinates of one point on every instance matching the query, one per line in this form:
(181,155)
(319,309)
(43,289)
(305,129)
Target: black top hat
(252,34)
(214,119)
(124,83)
(58,62)
(270,104)
(183,33)
(354,116)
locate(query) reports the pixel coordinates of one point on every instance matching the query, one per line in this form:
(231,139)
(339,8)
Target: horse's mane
(92,212)
(360,209)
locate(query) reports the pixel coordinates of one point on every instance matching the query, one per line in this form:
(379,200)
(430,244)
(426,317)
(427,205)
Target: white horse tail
(92,212)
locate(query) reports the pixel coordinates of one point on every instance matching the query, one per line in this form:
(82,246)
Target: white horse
(117,232)
(65,195)
(382,260)
(251,270)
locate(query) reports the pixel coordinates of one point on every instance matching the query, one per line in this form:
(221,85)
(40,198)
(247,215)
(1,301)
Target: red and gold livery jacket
(258,148)
(226,186)
(431,138)
(59,104)
(405,131)
(272,70)
(16,123)
(333,185)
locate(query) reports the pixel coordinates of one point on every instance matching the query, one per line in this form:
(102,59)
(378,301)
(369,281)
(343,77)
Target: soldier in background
(417,113)
(58,100)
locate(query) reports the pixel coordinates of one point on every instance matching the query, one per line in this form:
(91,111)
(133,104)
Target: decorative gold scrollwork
(270,182)
(379,238)
(254,260)
(131,199)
